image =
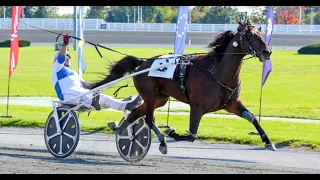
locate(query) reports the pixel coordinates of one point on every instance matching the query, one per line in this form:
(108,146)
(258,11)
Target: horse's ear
(249,23)
(259,29)
(240,27)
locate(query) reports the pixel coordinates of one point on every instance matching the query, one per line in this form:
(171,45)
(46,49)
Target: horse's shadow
(72,160)
(210,159)
(285,144)
(279,145)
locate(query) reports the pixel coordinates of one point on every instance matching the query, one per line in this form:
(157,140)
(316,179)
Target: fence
(100,24)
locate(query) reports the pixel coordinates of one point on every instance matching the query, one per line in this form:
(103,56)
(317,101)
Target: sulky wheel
(62,137)
(134,142)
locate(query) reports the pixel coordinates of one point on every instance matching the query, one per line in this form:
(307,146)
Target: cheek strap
(238,38)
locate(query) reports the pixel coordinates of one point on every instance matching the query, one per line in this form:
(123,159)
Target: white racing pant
(105,100)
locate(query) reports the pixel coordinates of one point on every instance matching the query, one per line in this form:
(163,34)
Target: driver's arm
(84,84)
(62,53)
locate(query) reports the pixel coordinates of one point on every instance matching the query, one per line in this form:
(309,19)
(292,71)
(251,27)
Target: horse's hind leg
(151,122)
(236,107)
(196,114)
(152,100)
(142,110)
(134,114)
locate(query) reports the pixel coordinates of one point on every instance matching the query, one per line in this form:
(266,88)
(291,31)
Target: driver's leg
(109,102)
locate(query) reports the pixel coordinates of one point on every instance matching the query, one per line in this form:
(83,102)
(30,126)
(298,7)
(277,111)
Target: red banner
(14,46)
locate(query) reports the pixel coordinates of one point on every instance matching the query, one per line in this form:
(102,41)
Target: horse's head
(250,40)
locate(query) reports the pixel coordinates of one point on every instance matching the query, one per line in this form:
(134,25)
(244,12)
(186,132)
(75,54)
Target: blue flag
(181,30)
(81,63)
(267,66)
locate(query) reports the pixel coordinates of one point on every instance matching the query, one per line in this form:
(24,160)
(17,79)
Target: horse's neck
(230,65)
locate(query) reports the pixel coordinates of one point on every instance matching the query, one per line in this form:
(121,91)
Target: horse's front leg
(236,107)
(196,114)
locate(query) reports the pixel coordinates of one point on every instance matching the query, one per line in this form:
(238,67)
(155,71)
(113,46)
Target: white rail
(100,24)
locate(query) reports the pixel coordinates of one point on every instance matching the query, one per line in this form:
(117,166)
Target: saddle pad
(165,71)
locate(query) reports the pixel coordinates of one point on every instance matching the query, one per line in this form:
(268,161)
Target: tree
(96,12)
(288,14)
(29,11)
(34,11)
(219,15)
(7,11)
(168,12)
(41,12)
(148,14)
(65,16)
(119,14)
(258,16)
(51,11)
(287,18)
(315,12)
(159,17)
(317,19)
(198,13)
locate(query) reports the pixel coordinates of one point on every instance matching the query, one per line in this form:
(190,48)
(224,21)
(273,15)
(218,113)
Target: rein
(246,53)
(96,45)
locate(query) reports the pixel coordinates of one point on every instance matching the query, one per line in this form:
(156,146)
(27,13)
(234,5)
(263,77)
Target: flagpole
(179,40)
(267,66)
(8,116)
(14,48)
(257,133)
(260,103)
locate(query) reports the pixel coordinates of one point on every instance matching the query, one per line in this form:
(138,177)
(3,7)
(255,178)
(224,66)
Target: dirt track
(23,150)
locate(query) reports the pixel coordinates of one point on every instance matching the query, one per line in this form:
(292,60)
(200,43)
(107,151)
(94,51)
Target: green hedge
(23,43)
(310,49)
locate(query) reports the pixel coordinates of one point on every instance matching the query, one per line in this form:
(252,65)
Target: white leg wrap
(193,135)
(248,116)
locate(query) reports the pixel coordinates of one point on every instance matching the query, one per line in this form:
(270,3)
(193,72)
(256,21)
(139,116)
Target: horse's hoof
(168,131)
(113,125)
(163,149)
(270,147)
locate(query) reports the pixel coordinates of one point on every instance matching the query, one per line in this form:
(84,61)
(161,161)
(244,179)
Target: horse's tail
(127,64)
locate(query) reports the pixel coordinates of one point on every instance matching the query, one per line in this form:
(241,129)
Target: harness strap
(211,74)
(232,92)
(117,91)
(186,62)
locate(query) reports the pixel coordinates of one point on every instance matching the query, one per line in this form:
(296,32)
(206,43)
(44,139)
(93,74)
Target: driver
(68,84)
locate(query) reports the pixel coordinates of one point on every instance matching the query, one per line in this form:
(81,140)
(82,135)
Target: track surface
(22,150)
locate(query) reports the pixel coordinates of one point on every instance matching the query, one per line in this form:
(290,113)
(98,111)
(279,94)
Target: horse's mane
(220,42)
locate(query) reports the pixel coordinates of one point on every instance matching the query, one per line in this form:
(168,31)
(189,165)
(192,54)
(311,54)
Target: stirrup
(134,104)
(95,101)
(112,125)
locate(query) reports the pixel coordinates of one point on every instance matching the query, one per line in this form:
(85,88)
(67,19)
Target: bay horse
(212,83)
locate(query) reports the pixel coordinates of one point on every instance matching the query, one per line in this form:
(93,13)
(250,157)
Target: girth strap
(182,76)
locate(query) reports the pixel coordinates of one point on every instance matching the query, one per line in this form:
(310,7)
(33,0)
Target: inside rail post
(75,27)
